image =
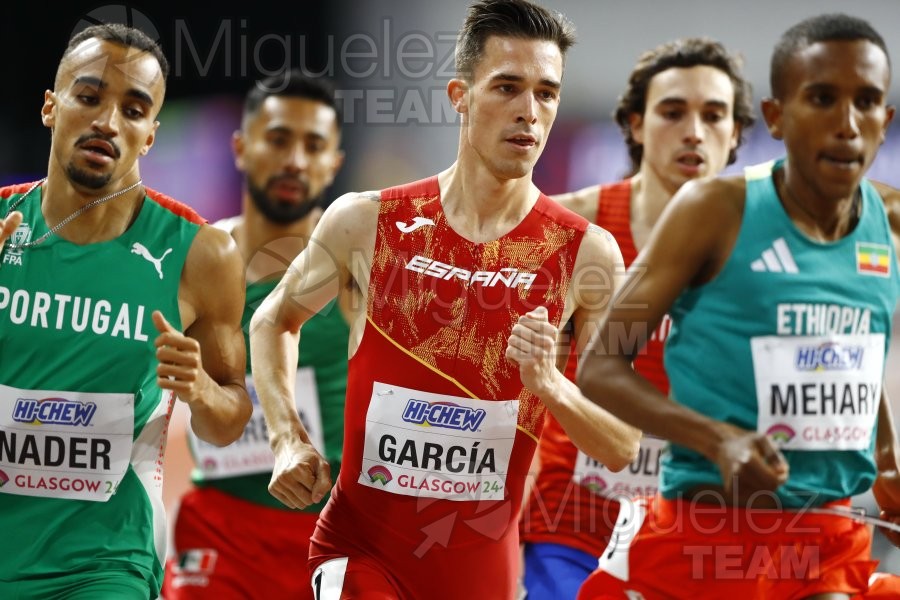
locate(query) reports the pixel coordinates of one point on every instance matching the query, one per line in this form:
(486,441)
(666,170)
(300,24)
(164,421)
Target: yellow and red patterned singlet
(439,430)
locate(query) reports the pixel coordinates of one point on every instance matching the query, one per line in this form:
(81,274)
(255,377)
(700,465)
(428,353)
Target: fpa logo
(13,255)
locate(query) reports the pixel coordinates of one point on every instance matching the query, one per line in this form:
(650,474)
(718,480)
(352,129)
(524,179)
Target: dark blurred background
(391,60)
(214,54)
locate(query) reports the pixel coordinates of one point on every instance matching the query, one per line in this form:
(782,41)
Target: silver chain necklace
(68,219)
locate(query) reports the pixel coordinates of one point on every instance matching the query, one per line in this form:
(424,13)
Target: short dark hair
(822,28)
(508,18)
(123,35)
(682,53)
(292,83)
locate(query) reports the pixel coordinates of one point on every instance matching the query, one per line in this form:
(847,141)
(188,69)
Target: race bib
(640,478)
(251,453)
(436,446)
(69,445)
(818,392)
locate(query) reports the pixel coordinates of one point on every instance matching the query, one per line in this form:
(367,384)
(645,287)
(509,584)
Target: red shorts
(882,586)
(396,567)
(356,578)
(681,549)
(227,548)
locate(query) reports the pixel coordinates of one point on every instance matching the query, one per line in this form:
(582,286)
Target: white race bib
(436,446)
(640,478)
(251,453)
(818,392)
(70,445)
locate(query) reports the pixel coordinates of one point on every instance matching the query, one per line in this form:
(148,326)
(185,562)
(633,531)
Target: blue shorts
(555,572)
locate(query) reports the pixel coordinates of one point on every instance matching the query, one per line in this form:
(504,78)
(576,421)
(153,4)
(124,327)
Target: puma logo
(141,250)
(416,223)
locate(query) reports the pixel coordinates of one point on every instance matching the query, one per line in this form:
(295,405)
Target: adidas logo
(777,259)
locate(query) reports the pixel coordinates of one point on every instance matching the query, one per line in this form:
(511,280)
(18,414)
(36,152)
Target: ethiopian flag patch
(873,259)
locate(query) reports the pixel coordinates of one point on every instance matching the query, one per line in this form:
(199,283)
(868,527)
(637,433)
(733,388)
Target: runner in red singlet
(458,283)
(754,270)
(682,115)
